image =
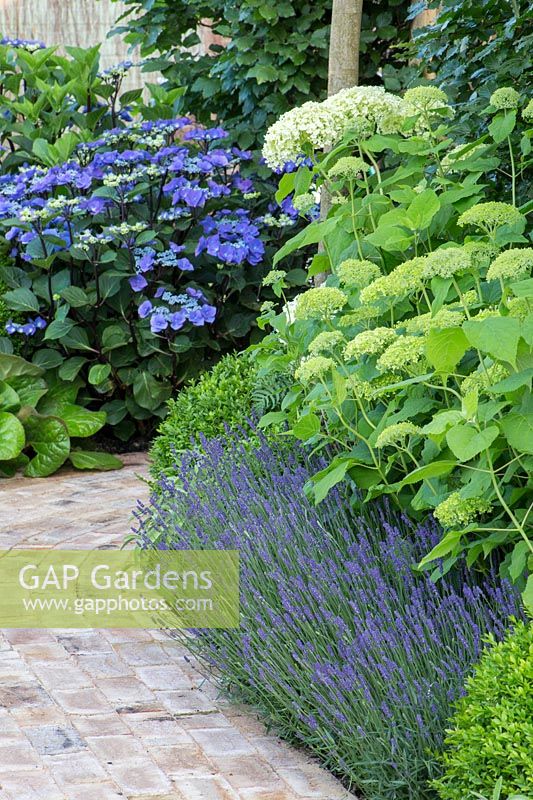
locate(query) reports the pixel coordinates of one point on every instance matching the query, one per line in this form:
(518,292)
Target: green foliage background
(277,57)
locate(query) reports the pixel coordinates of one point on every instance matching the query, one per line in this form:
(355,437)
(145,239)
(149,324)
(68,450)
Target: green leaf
(77,339)
(99,373)
(433,470)
(22,300)
(29,389)
(12,366)
(448,544)
(518,561)
(327,478)
(527,595)
(272,418)
(75,296)
(445,349)
(523,288)
(423,208)
(81,422)
(513,382)
(49,438)
(497,336)
(306,427)
(58,328)
(466,442)
(89,459)
(47,359)
(12,437)
(148,392)
(114,336)
(502,125)
(312,234)
(9,399)
(71,367)
(390,238)
(518,429)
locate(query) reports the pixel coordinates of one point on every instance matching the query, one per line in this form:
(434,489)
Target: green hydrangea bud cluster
(490,216)
(320,303)
(480,381)
(325,342)
(457,511)
(369,343)
(396,434)
(504,98)
(426,322)
(313,368)
(402,281)
(350,168)
(357,274)
(274,276)
(403,354)
(512,264)
(446,262)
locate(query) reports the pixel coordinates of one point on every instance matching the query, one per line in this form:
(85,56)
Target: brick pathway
(116,715)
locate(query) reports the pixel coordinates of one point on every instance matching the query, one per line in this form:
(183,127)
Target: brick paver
(121,715)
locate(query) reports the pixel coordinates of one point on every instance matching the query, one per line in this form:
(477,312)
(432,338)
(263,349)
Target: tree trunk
(344,45)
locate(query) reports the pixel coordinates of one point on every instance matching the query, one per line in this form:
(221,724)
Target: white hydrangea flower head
(512,264)
(320,126)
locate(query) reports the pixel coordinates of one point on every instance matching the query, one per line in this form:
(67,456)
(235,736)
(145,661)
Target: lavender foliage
(342,644)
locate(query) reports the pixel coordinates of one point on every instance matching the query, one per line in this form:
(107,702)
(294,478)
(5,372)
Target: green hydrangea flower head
(369,343)
(396,434)
(357,274)
(426,322)
(480,381)
(426,98)
(325,342)
(320,303)
(457,511)
(446,262)
(512,264)
(360,388)
(362,314)
(304,202)
(490,216)
(402,281)
(481,254)
(519,307)
(274,276)
(349,167)
(505,98)
(403,354)
(313,369)
(527,113)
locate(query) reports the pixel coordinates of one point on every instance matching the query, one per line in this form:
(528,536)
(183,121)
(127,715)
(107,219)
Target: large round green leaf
(9,399)
(49,438)
(80,422)
(11,366)
(12,438)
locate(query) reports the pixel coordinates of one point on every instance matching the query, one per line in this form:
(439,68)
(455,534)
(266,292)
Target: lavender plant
(135,260)
(341,644)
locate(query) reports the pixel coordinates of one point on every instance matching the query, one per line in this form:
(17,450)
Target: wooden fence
(69,22)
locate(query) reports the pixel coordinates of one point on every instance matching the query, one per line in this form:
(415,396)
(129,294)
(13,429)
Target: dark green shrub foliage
(476,46)
(276,58)
(492,730)
(219,398)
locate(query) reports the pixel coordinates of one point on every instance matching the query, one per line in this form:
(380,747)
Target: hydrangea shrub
(135,260)
(414,359)
(341,644)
